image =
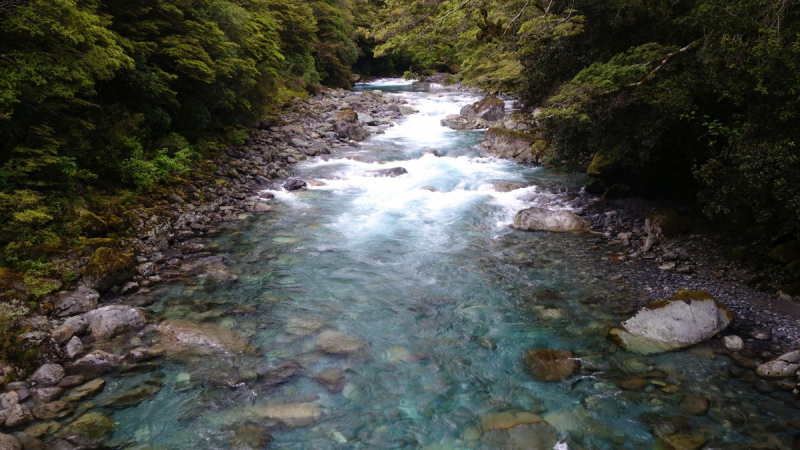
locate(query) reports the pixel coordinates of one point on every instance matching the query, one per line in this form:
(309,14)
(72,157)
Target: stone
(331,379)
(140,354)
(7,373)
(520,146)
(686,319)
(462,122)
(47,394)
(733,343)
(107,268)
(281,374)
(17,416)
(742,361)
(95,426)
(130,398)
(294,184)
(62,333)
(40,429)
(83,299)
(182,335)
(71,381)
(91,225)
(48,375)
(634,384)
(8,399)
(508,420)
(490,109)
(301,327)
(393,172)
(292,414)
(336,342)
(786,253)
(73,348)
(262,207)
(762,334)
(694,405)
(78,323)
(113,320)
(9,442)
(534,436)
(96,362)
(53,410)
(551,365)
(777,369)
(250,436)
(507,186)
(347,126)
(540,219)
(85,390)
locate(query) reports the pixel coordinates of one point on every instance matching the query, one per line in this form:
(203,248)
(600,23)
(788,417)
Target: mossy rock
(92,225)
(100,242)
(670,222)
(792,289)
(115,223)
(605,162)
(508,134)
(791,274)
(348,115)
(95,426)
(786,253)
(107,268)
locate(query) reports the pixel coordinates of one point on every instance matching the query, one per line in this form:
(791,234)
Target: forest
(695,100)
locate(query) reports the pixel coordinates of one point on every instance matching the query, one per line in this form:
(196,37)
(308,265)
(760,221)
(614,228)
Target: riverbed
(433,299)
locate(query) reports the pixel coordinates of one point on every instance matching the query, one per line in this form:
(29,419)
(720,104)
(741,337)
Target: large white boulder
(540,219)
(688,318)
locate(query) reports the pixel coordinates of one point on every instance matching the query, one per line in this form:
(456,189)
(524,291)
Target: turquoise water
(446,296)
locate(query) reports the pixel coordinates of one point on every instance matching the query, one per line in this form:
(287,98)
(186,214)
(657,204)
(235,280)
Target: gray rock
(460,122)
(777,369)
(9,442)
(113,320)
(48,375)
(62,333)
(73,348)
(47,394)
(393,172)
(336,342)
(688,318)
(8,399)
(733,343)
(17,416)
(146,269)
(547,220)
(294,184)
(406,110)
(79,301)
(96,362)
(490,109)
(79,324)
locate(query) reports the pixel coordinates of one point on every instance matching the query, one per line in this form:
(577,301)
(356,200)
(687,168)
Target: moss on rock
(348,115)
(786,253)
(92,225)
(605,162)
(107,268)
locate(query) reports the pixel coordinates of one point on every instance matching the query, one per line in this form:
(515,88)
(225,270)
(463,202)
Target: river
(424,270)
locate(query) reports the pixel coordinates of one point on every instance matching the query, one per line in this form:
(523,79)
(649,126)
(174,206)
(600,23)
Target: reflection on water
(436,300)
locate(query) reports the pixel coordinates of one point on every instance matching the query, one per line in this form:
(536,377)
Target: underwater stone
(551,365)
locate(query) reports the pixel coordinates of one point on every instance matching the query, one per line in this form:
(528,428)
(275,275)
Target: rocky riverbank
(76,334)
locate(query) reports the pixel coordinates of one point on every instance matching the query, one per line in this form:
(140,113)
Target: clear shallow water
(448,299)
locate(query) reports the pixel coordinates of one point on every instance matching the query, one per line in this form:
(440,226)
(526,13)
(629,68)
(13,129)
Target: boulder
(48,375)
(96,362)
(461,122)
(17,416)
(336,342)
(551,365)
(81,300)
(786,365)
(393,172)
(92,225)
(510,144)
(181,335)
(47,394)
(294,184)
(53,410)
(250,436)
(95,426)
(786,253)
(113,320)
(548,220)
(291,415)
(348,127)
(9,442)
(85,390)
(107,268)
(507,186)
(62,333)
(686,319)
(490,109)
(73,348)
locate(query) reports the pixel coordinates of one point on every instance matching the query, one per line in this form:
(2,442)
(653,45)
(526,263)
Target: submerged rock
(551,365)
(250,437)
(332,380)
(540,219)
(53,410)
(534,436)
(181,335)
(129,398)
(508,420)
(336,342)
(95,426)
(507,186)
(393,172)
(291,415)
(688,318)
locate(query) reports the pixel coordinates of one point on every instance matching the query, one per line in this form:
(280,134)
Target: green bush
(146,174)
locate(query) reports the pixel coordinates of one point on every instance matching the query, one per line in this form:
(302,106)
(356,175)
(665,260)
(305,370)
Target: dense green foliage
(697,99)
(99,95)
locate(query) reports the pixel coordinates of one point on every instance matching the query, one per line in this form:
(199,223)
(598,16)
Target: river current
(426,271)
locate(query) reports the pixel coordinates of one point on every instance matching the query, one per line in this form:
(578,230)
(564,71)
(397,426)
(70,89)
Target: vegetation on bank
(693,99)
